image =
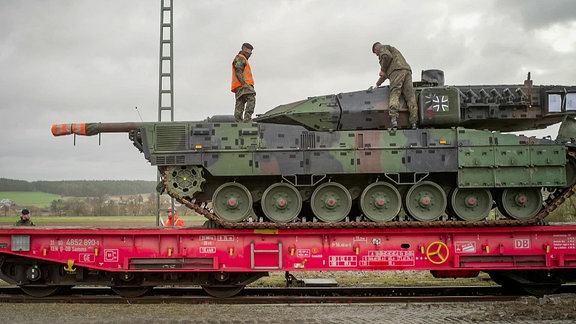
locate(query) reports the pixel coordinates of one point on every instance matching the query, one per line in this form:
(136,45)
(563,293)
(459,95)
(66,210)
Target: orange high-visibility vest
(247,75)
(177,221)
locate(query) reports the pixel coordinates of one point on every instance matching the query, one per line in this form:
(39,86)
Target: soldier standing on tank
(393,66)
(25,219)
(243,85)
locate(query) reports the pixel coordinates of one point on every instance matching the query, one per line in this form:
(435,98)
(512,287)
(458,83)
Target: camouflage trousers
(401,84)
(245,105)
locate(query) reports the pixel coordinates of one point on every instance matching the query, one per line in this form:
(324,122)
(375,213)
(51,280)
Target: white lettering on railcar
(73,244)
(564,241)
(464,247)
(360,239)
(303,253)
(340,244)
(343,261)
(207,249)
(86,257)
(226,238)
(81,242)
(389,258)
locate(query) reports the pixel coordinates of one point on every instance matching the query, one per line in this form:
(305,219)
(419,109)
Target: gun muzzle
(68,129)
(90,129)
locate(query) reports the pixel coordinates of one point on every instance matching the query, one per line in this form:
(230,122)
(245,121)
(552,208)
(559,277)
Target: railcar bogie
(533,282)
(39,279)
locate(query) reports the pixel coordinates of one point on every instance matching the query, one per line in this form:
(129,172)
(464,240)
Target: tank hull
(262,171)
(479,159)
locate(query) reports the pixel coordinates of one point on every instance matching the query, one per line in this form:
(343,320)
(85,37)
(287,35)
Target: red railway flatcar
(42,260)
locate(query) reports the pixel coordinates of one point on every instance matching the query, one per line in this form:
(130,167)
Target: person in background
(173,219)
(393,66)
(243,85)
(25,219)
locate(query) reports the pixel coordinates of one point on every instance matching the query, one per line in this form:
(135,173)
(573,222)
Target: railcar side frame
(225,260)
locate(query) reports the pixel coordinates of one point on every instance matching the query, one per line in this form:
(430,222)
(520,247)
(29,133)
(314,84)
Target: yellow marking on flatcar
(265,231)
(70,266)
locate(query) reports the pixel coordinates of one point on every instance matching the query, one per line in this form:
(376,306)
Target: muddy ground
(549,309)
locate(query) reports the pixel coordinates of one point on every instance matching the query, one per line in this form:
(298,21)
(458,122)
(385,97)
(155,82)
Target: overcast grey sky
(90,61)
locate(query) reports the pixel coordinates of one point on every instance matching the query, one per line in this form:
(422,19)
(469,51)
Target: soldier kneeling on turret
(393,66)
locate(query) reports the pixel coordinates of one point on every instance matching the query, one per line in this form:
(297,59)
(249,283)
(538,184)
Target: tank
(333,160)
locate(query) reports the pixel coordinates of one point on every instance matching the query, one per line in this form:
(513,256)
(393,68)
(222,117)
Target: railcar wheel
(222,291)
(331,202)
(500,279)
(40,291)
(520,203)
(426,201)
(471,204)
(131,292)
(541,289)
(537,283)
(281,202)
(380,202)
(232,202)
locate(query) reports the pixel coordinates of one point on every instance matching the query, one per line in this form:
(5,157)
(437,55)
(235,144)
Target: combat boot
(393,122)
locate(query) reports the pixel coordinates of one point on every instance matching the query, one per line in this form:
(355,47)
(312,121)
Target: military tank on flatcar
(333,160)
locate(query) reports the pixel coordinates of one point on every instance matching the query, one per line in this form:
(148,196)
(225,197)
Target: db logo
(521,243)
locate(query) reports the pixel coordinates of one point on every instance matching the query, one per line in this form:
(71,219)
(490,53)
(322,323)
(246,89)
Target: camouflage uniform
(395,67)
(245,97)
(24,222)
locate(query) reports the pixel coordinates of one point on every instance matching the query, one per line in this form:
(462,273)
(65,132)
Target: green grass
(110,221)
(36,199)
(87,219)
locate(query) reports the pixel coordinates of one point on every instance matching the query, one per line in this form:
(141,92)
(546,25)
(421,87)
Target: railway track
(292,295)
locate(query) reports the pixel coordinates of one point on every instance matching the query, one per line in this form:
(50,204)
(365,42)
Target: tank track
(554,200)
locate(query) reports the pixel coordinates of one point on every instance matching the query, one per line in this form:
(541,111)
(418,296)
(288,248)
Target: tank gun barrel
(90,129)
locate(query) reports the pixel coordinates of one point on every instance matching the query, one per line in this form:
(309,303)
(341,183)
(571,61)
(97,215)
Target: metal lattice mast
(166,83)
(166,77)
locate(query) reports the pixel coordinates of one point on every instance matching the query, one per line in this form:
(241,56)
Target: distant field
(36,199)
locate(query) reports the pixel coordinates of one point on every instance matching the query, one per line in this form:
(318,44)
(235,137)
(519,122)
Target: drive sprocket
(184,181)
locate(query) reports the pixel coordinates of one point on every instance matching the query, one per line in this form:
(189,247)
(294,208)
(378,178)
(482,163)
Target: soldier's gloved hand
(371,87)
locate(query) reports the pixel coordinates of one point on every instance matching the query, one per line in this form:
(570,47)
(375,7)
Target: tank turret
(503,108)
